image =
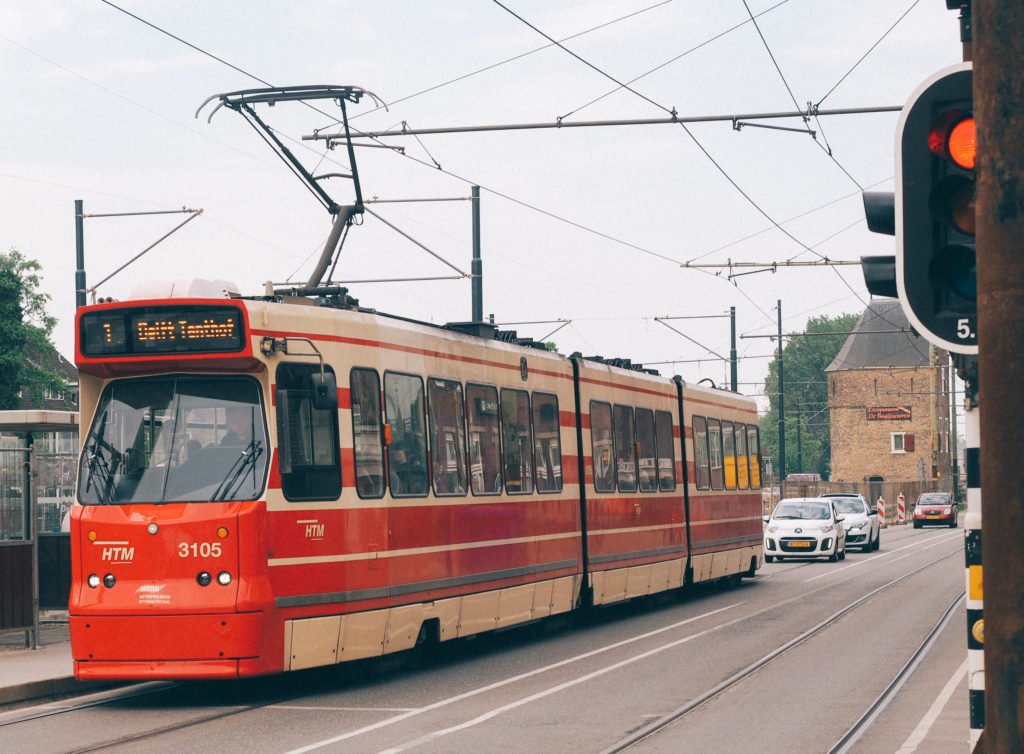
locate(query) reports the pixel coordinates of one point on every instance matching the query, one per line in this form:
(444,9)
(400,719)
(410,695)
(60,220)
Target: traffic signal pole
(998,54)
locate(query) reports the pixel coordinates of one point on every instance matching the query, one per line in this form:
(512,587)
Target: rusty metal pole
(998,52)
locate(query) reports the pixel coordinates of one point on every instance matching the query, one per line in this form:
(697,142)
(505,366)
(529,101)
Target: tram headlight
(223,578)
(204,578)
(109,581)
(93,580)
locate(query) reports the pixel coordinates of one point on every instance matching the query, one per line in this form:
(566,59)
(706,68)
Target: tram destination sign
(138,331)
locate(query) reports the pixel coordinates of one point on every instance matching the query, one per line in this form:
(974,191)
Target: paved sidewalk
(33,673)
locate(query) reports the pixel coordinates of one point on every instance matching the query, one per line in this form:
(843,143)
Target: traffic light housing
(936,267)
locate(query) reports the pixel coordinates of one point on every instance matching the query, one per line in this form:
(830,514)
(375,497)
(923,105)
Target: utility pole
(999,110)
(782,409)
(477,269)
(732,350)
(79,256)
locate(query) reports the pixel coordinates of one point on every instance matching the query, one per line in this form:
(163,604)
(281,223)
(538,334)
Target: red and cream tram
(267,484)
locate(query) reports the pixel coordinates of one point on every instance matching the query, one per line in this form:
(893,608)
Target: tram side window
(666,451)
(517,441)
(701,457)
(307,438)
(407,452)
(625,447)
(547,448)
(742,460)
(601,446)
(715,453)
(754,451)
(484,445)
(366,432)
(647,461)
(729,448)
(447,422)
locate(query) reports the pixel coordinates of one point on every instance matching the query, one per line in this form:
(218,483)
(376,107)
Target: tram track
(266,697)
(664,722)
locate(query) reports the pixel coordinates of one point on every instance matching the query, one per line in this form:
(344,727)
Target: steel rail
(886,697)
(665,721)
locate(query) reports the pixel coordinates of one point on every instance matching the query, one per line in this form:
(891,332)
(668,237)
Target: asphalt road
(586,687)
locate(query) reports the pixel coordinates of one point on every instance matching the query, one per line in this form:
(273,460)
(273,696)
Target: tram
(279,482)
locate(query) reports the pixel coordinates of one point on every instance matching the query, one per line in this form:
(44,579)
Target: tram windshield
(176,438)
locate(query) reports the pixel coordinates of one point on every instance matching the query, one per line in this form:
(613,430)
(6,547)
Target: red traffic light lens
(952,137)
(962,144)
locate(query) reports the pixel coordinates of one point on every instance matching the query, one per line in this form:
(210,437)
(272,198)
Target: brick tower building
(889,402)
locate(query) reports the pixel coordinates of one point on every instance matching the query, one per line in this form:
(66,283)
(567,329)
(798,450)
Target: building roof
(53,361)
(881,338)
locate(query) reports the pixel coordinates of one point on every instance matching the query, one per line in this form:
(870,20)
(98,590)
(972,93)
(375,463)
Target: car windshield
(808,510)
(175,438)
(935,499)
(849,505)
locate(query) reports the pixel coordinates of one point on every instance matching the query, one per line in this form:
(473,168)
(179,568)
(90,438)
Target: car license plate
(799,544)
(933,515)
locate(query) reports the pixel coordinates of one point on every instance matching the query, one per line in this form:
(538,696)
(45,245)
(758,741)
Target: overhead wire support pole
(674,120)
(661,321)
(413,240)
(194,214)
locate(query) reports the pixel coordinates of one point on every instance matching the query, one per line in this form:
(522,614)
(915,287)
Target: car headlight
(772,528)
(947,512)
(826,527)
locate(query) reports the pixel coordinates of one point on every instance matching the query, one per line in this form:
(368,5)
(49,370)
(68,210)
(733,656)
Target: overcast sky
(589,225)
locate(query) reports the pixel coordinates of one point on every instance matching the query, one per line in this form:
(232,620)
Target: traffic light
(936,268)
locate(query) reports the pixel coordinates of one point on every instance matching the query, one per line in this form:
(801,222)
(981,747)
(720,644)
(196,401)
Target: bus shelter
(19,531)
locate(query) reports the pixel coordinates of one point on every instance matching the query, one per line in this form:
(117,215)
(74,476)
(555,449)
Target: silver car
(859,519)
(804,527)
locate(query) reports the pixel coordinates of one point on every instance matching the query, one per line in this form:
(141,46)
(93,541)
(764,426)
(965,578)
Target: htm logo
(314,529)
(118,554)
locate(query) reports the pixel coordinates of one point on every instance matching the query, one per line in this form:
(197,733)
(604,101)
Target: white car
(859,519)
(804,527)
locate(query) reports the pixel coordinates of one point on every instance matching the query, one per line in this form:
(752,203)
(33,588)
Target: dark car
(935,508)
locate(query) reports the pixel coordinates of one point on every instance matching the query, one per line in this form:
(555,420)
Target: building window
(901,442)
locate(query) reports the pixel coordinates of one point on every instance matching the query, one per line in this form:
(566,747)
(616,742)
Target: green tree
(804,360)
(25,330)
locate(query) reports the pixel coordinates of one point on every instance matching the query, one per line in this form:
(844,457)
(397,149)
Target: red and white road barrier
(901,509)
(881,511)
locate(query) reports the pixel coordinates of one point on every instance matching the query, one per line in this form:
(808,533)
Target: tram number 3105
(199,550)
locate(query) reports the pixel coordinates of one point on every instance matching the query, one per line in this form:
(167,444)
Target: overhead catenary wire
(672,112)
(554,215)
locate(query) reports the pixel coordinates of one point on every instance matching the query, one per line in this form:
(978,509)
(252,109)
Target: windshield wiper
(232,480)
(100,467)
